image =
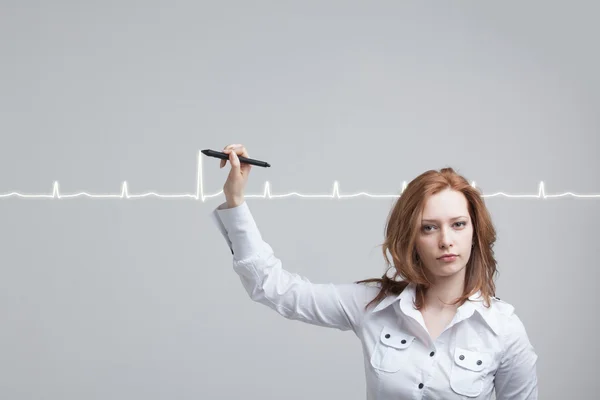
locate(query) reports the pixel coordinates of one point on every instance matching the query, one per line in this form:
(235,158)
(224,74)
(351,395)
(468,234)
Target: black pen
(225,156)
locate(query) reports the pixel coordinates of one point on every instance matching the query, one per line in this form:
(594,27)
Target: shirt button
(461,357)
(478,362)
(387,335)
(431,354)
(420,386)
(403,341)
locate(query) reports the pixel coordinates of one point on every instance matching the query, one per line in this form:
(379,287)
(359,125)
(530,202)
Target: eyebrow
(435,220)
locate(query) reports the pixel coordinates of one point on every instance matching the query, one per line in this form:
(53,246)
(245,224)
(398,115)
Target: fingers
(239,149)
(235,150)
(234,160)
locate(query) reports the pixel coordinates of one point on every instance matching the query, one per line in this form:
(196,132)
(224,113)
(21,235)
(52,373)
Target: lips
(447,256)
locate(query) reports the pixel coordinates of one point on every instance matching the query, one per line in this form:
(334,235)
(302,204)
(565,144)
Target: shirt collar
(405,301)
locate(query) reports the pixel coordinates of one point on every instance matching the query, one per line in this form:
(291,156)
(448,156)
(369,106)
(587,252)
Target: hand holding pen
(225,156)
(241,165)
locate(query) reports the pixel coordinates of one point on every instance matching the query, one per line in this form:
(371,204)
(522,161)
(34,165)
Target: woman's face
(445,228)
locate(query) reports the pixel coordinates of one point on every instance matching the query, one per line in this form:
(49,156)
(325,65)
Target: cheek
(466,240)
(469,236)
(424,246)
(419,246)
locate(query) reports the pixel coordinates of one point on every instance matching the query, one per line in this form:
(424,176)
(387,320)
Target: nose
(445,239)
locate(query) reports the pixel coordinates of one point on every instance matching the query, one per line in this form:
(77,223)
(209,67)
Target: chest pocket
(392,350)
(469,369)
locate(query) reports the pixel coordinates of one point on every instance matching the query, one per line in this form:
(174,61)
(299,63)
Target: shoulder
(501,308)
(517,349)
(366,291)
(500,315)
(374,289)
(358,293)
(511,328)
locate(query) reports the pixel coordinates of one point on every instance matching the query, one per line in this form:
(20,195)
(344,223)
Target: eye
(464,223)
(425,228)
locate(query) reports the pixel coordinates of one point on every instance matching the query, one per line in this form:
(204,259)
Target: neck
(443,291)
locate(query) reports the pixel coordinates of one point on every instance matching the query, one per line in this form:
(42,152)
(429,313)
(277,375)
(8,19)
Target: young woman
(434,330)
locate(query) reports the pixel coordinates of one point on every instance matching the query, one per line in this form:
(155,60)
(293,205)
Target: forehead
(445,204)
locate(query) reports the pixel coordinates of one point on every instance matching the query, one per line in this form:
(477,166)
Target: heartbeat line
(199,195)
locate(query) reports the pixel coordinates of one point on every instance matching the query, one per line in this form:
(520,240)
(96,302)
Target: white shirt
(482,349)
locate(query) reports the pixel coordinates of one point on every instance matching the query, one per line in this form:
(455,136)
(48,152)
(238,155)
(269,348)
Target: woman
(437,333)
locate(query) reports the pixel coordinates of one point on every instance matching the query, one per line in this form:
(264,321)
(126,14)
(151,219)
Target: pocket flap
(471,360)
(396,339)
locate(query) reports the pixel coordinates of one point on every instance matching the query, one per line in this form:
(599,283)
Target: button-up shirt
(481,350)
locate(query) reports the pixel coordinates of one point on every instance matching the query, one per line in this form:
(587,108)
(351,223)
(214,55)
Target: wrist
(231,203)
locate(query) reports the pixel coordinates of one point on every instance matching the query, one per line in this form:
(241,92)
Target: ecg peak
(200,195)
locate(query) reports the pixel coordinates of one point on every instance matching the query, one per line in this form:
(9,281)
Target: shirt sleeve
(516,378)
(291,295)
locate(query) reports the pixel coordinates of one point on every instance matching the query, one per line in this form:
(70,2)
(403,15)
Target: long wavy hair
(402,228)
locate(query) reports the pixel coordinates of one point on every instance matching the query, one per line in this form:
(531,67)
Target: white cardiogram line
(199,195)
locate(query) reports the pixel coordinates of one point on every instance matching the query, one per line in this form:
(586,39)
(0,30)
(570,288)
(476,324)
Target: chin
(449,270)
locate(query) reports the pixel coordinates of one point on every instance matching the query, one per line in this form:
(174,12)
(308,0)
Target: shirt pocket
(468,371)
(391,350)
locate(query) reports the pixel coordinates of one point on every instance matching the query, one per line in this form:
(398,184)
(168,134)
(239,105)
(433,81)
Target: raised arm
(338,306)
(293,296)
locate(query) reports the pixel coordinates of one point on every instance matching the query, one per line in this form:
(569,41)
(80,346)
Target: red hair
(401,232)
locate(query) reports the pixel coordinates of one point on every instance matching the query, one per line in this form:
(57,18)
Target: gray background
(121,299)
